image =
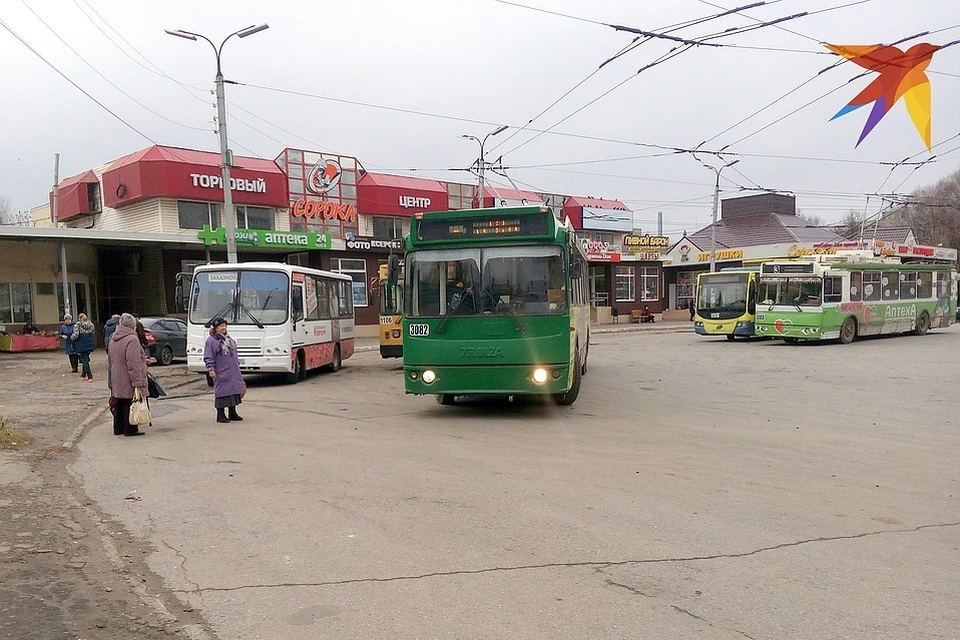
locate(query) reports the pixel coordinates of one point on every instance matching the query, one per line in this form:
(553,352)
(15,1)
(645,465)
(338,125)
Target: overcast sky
(481,63)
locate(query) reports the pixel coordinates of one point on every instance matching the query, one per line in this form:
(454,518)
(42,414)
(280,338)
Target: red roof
(401,182)
(506,193)
(87,177)
(193,156)
(598,203)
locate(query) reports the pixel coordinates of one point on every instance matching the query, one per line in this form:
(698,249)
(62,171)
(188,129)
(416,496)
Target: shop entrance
(599,285)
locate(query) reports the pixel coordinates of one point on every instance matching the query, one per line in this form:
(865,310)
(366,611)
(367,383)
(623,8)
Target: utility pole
(56,223)
(659,223)
(226,157)
(481,161)
(716,204)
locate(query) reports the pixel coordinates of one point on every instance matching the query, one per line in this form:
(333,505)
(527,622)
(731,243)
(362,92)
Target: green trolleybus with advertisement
(496,303)
(856,294)
(726,302)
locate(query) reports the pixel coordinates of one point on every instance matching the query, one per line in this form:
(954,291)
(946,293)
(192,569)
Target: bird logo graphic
(901,76)
(324,176)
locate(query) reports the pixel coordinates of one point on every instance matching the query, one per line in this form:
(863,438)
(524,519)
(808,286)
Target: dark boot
(222,416)
(234,415)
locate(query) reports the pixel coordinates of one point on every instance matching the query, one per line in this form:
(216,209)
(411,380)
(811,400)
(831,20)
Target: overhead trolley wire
(67,78)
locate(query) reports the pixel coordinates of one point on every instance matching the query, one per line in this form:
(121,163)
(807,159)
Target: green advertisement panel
(268,239)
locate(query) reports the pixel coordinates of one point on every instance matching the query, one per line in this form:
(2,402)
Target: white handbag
(139,411)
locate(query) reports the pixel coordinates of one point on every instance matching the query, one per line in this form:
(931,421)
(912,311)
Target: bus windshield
(518,280)
(391,299)
(796,292)
(242,297)
(722,295)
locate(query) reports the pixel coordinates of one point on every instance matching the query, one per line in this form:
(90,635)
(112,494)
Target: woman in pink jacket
(128,371)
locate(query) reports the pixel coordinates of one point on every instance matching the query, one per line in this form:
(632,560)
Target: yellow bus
(391,308)
(726,302)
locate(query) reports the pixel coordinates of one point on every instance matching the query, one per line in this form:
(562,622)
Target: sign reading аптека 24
(268,239)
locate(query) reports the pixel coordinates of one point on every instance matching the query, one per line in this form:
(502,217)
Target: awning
(77,195)
(171,172)
(400,195)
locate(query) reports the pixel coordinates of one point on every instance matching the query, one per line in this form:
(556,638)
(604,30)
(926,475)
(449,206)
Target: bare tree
(811,219)
(934,212)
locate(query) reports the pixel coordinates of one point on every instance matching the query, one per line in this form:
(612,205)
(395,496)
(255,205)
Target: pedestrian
(84,342)
(30,329)
(141,333)
(128,373)
(109,328)
(691,305)
(220,358)
(66,334)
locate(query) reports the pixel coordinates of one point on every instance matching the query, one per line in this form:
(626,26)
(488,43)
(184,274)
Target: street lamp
(225,156)
(481,162)
(716,204)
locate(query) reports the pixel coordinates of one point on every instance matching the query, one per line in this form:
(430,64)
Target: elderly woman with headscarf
(128,372)
(84,341)
(220,358)
(66,334)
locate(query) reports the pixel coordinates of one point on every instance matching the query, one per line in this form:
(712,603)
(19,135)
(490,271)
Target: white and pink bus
(285,319)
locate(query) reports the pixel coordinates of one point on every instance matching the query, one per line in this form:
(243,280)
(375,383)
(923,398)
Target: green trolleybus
(726,302)
(495,303)
(846,296)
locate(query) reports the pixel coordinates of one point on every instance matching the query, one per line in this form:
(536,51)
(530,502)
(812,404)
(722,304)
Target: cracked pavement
(698,489)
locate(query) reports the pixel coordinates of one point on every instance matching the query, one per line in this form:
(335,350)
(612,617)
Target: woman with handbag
(128,374)
(220,358)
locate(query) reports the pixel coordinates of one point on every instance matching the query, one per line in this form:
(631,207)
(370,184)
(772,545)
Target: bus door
(298,333)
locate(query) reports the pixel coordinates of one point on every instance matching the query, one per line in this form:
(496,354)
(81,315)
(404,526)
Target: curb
(669,329)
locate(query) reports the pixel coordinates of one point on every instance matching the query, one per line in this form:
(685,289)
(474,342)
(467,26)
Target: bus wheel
(335,366)
(570,396)
(298,373)
(446,399)
(848,332)
(923,324)
(731,337)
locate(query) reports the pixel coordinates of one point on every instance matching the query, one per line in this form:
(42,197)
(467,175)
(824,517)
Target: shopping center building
(130,226)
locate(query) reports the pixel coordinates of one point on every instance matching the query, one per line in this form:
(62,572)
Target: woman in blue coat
(66,334)
(84,342)
(223,366)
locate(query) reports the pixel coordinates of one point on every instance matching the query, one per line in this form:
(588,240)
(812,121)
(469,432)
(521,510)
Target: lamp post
(225,155)
(481,162)
(716,204)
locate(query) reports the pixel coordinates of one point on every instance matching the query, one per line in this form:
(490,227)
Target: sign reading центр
(268,239)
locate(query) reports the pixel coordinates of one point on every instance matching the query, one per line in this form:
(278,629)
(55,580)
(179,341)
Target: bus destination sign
(781,268)
(473,228)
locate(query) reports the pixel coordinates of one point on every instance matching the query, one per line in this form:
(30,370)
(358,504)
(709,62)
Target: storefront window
(650,284)
(193,215)
(387,227)
(357,270)
(685,288)
(78,298)
(254,218)
(15,304)
(626,284)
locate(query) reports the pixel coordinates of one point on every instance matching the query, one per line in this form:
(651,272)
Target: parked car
(166,338)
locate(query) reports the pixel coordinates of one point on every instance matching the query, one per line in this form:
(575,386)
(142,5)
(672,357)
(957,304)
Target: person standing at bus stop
(128,372)
(692,307)
(66,334)
(223,366)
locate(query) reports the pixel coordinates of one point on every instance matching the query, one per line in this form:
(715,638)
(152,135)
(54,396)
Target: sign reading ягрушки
(267,238)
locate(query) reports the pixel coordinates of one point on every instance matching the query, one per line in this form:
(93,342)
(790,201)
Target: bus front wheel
(848,332)
(298,372)
(923,324)
(570,396)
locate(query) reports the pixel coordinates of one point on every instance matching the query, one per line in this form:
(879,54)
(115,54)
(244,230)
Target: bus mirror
(393,269)
(178,295)
(576,271)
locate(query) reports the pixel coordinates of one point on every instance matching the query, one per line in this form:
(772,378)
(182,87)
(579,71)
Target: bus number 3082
(419,330)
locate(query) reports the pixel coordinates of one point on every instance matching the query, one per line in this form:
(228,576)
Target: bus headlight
(428,376)
(540,376)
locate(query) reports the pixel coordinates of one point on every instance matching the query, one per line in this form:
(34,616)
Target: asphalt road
(697,489)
